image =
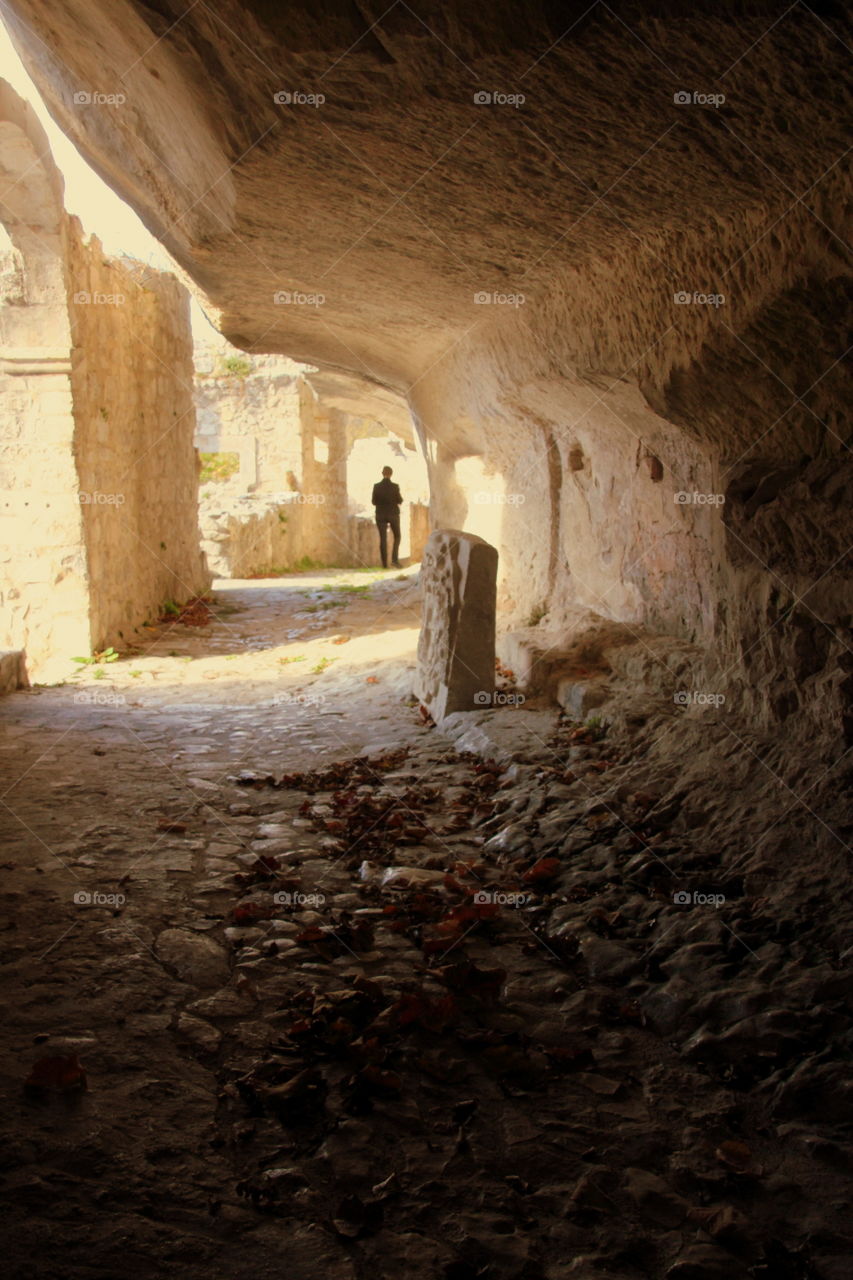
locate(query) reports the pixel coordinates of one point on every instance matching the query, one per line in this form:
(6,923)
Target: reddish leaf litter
(460,1036)
(195,613)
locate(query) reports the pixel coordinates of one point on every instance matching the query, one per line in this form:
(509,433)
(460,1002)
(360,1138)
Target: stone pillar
(335,509)
(456,649)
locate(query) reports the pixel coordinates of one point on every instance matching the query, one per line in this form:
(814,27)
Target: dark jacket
(386,499)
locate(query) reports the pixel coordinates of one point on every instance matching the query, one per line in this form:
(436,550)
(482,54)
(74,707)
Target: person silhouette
(387,500)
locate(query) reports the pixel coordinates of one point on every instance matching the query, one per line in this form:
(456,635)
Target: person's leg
(382,526)
(395,549)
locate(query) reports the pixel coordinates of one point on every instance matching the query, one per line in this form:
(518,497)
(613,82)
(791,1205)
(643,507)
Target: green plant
(299,658)
(235,366)
(171,608)
(218,467)
(321,666)
(135,674)
(95,659)
(597,727)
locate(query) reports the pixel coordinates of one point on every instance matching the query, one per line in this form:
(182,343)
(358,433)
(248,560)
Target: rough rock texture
(43,587)
(253,414)
(242,536)
(577,1006)
(660,154)
(98,476)
(456,649)
(131,378)
(13,671)
(193,957)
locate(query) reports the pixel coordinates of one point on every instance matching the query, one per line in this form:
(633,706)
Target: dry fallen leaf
(62,1072)
(737,1155)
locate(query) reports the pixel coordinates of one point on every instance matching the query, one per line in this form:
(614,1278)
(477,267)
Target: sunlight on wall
(100,210)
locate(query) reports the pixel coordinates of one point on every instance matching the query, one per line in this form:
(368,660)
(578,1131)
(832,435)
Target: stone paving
(350,1003)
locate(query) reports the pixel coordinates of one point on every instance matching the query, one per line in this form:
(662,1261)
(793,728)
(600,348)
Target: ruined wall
(136,463)
(256,416)
(296,449)
(43,582)
(245,536)
(98,473)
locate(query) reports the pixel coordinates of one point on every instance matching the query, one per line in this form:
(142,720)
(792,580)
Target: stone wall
(136,463)
(43,575)
(98,474)
(248,536)
(307,470)
(244,536)
(256,415)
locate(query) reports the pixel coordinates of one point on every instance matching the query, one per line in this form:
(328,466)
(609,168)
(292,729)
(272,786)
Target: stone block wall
(98,472)
(131,377)
(295,445)
(43,582)
(44,588)
(256,416)
(246,536)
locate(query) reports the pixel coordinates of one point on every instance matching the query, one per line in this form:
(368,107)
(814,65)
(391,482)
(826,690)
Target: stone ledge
(500,733)
(573,665)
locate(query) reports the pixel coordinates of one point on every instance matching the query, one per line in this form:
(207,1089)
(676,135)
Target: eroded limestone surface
(456,649)
(602,251)
(571,1002)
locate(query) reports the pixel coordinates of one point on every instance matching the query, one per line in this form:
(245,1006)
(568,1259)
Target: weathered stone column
(456,649)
